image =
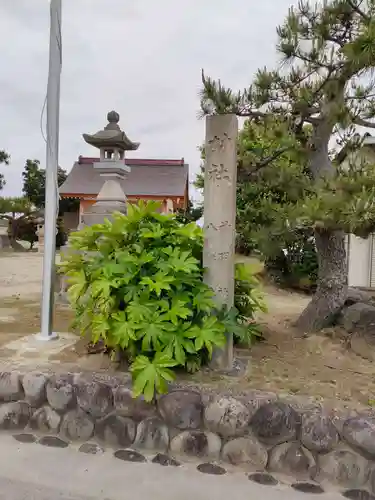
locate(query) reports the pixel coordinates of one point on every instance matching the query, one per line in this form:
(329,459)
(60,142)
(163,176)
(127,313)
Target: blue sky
(141,58)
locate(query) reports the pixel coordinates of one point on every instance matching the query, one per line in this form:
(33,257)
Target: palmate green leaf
(152,332)
(181,261)
(77,277)
(99,327)
(193,364)
(178,310)
(210,334)
(122,330)
(158,282)
(75,292)
(230,320)
(101,288)
(154,232)
(203,300)
(177,348)
(139,312)
(149,376)
(189,231)
(178,343)
(131,292)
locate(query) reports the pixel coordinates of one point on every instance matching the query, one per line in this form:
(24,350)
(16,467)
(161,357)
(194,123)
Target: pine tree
(322,90)
(4,158)
(34,185)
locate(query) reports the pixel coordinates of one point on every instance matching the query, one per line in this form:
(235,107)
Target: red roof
(147,162)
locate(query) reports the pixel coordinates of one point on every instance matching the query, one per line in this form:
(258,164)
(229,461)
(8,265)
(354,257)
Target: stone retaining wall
(256,432)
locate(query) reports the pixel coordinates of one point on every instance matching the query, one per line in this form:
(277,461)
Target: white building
(360,251)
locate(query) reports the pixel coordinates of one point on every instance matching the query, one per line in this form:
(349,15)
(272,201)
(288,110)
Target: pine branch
(358,10)
(267,161)
(363,123)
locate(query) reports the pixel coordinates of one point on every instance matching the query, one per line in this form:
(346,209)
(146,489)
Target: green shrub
(137,284)
(247,301)
(297,266)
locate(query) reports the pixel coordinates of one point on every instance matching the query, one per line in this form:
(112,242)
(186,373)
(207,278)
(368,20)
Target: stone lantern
(112,143)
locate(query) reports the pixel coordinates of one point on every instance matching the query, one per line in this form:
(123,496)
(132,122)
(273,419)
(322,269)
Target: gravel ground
(21,274)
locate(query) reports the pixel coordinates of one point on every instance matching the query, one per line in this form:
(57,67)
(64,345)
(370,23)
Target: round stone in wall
(371,479)
(60,392)
(127,406)
(292,459)
(10,387)
(343,467)
(202,444)
(255,399)
(318,433)
(15,415)
(245,451)
(182,409)
(116,430)
(94,398)
(77,426)
(34,386)
(275,423)
(152,434)
(360,433)
(45,420)
(226,416)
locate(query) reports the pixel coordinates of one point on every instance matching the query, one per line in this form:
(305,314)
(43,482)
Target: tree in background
(320,91)
(272,179)
(20,214)
(4,158)
(190,214)
(34,183)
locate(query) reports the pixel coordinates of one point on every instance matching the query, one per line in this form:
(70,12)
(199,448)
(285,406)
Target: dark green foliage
(61,236)
(247,301)
(5,159)
(26,231)
(191,214)
(34,182)
(296,266)
(137,284)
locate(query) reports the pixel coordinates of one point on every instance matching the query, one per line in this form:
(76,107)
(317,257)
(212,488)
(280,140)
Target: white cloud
(142,58)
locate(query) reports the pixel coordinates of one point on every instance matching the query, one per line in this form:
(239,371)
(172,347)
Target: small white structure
(360,251)
(361,261)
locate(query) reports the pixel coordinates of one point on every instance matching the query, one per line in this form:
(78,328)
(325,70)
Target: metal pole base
(45,338)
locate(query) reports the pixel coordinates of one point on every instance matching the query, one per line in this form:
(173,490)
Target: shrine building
(163,180)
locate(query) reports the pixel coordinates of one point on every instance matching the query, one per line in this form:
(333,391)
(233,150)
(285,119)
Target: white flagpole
(52,154)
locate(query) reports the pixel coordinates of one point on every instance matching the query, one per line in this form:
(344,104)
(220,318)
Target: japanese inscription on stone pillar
(220,217)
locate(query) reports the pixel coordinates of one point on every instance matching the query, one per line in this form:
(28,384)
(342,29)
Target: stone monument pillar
(220,180)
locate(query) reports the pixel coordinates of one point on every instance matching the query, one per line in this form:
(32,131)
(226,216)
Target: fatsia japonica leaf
(203,299)
(151,331)
(138,311)
(207,335)
(122,330)
(181,261)
(178,310)
(158,282)
(152,375)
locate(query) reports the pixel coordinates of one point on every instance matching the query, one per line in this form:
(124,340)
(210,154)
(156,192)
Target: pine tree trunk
(332,282)
(12,235)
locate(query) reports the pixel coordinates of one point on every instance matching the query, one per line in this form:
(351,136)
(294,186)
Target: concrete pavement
(35,472)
